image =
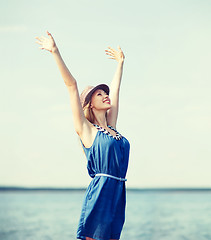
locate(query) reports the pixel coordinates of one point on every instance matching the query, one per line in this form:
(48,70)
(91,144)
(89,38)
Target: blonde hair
(89,115)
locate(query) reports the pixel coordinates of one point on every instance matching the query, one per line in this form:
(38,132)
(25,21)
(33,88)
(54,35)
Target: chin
(109,107)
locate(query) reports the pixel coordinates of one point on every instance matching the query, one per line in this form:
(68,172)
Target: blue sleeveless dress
(103,210)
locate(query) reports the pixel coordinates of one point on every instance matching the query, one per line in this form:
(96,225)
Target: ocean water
(154,215)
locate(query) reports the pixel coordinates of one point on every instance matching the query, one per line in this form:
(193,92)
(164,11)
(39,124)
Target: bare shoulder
(88,134)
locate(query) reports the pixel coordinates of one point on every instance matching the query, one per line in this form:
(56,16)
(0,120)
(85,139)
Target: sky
(165,100)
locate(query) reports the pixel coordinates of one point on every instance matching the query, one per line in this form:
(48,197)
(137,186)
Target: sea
(150,215)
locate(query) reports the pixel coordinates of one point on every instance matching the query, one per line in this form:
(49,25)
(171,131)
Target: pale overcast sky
(165,108)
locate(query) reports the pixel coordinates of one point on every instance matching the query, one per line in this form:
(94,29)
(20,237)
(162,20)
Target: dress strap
(118,135)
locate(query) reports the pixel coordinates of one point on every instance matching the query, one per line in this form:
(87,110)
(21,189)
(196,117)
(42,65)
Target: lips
(106,101)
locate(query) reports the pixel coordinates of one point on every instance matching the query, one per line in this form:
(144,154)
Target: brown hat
(86,95)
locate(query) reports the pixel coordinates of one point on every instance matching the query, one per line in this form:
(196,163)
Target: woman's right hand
(47,43)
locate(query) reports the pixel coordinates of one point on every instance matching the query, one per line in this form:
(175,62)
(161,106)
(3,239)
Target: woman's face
(100,100)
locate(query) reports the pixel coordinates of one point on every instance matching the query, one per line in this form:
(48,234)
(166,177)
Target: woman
(95,116)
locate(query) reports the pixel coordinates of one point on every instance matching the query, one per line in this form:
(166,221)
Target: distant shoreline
(70,189)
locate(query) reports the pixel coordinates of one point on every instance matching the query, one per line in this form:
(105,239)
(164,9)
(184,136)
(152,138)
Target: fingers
(119,48)
(46,43)
(117,55)
(111,50)
(39,42)
(42,38)
(39,39)
(49,34)
(109,53)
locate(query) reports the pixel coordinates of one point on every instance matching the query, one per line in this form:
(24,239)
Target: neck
(100,119)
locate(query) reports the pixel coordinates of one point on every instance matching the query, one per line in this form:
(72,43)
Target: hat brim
(103,87)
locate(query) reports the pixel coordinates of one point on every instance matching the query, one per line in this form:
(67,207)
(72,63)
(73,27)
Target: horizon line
(27,188)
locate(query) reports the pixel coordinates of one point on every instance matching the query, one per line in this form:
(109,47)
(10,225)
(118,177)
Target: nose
(106,98)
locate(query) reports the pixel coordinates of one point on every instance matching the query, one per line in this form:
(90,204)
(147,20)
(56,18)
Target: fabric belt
(107,175)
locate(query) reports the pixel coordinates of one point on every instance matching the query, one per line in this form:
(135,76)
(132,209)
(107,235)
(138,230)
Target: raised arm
(117,55)
(80,122)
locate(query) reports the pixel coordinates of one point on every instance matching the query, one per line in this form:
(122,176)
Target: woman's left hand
(117,55)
